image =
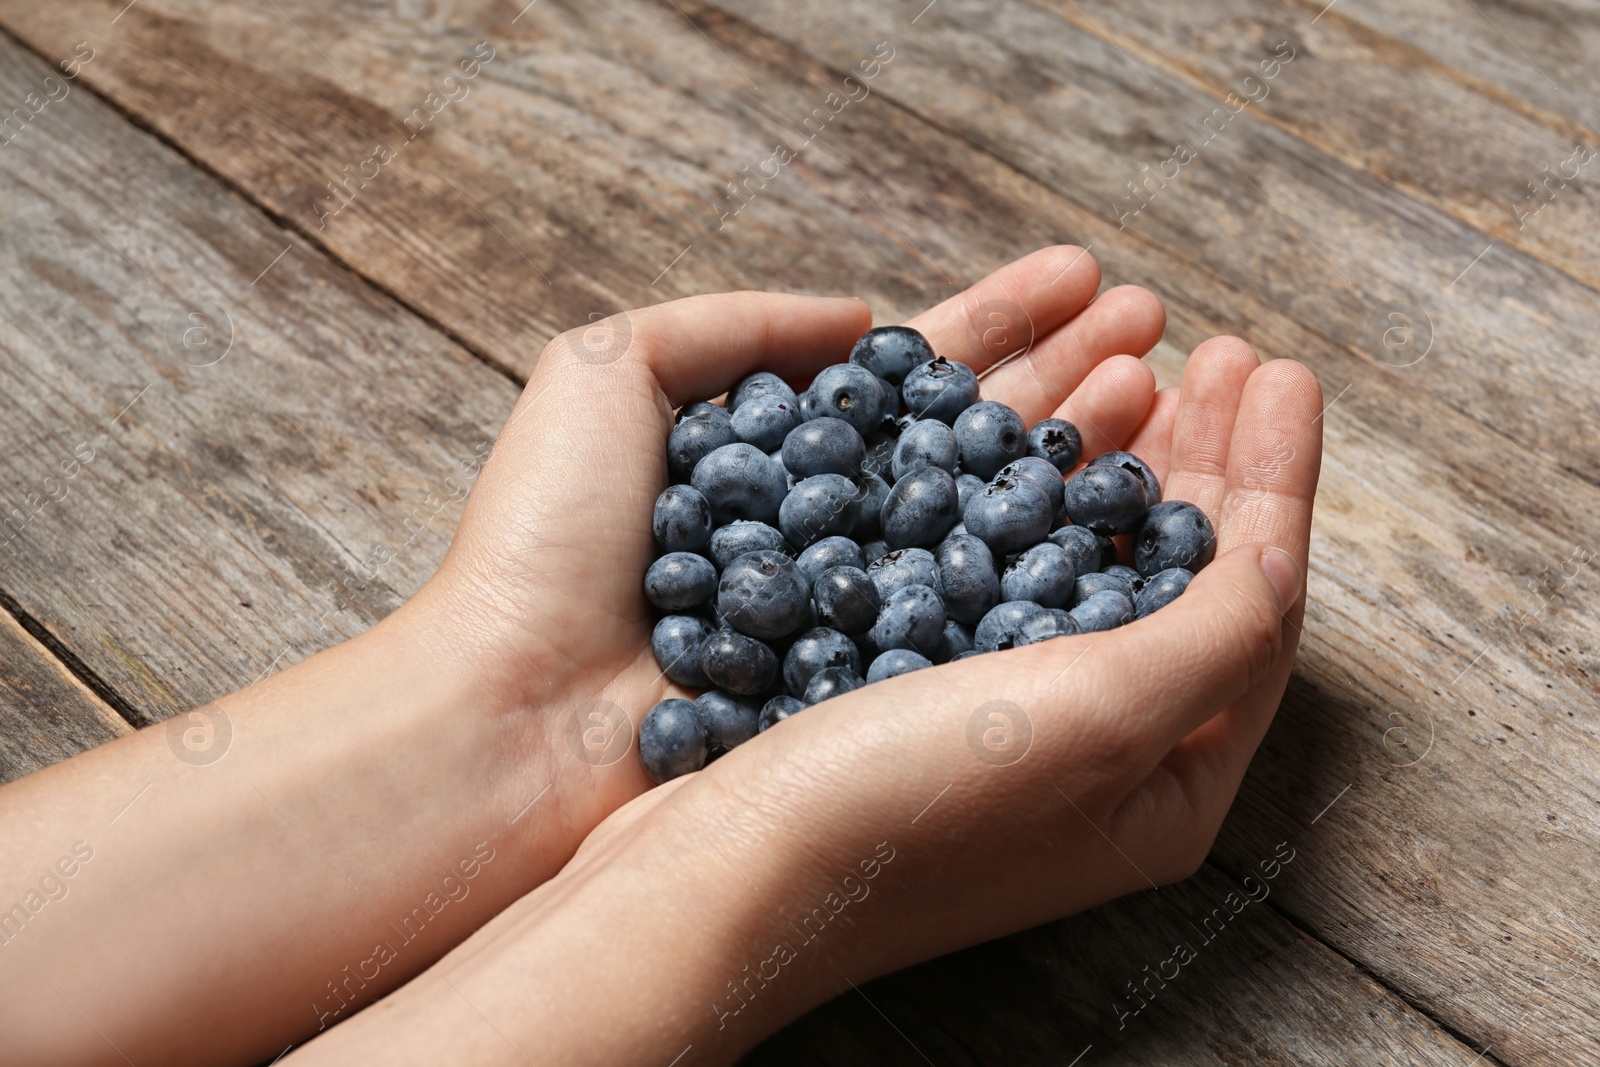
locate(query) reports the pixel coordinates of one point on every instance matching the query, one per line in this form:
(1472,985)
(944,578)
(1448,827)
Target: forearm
(370,809)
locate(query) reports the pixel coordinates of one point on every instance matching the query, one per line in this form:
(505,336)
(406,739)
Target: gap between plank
(69,663)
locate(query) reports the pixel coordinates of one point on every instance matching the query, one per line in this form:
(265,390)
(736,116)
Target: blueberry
(1057,442)
(968,486)
(739,481)
(891,351)
(776,710)
(911,617)
(682,521)
(873,551)
(677,641)
(955,640)
(671,740)
(1161,589)
(737,663)
(1107,499)
(761,383)
(1040,473)
(846,599)
(830,552)
(1136,466)
(940,389)
(966,655)
(891,397)
(1094,582)
(903,567)
(1050,623)
(1134,579)
(1174,534)
(817,650)
(694,438)
(824,505)
(926,443)
(730,542)
(880,445)
(895,662)
(765,421)
(1002,627)
(764,594)
(1042,574)
(679,581)
(823,446)
(966,578)
(1081,545)
(1009,515)
(831,682)
(990,435)
(808,407)
(846,391)
(874,492)
(920,509)
(1103,611)
(727,721)
(700,407)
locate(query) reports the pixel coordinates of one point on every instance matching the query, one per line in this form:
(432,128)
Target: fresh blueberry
(679,581)
(920,509)
(1094,582)
(808,407)
(911,617)
(677,641)
(990,435)
(1042,574)
(761,383)
(1052,622)
(727,720)
(891,351)
(902,567)
(846,391)
(1136,466)
(824,505)
(1056,441)
(739,481)
(776,710)
(873,551)
(891,397)
(831,682)
(830,552)
(1174,534)
(968,486)
(764,594)
(1134,579)
(817,650)
(696,437)
(1042,474)
(846,599)
(940,389)
(880,445)
(1009,515)
(1108,499)
(966,655)
(701,407)
(765,421)
(738,663)
(730,542)
(1002,626)
(926,443)
(966,578)
(671,740)
(1161,589)
(823,446)
(874,492)
(1081,544)
(955,640)
(1105,610)
(895,662)
(682,520)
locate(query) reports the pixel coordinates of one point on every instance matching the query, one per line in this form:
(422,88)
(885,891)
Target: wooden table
(269,272)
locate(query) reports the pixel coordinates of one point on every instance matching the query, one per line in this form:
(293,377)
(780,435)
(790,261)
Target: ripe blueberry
(1042,574)
(831,682)
(1138,467)
(824,505)
(679,581)
(766,420)
(1001,628)
(990,436)
(671,740)
(895,662)
(1081,545)
(911,617)
(939,389)
(817,650)
(696,437)
(920,508)
(1057,441)
(676,642)
(730,542)
(902,567)
(1108,499)
(1174,534)
(891,351)
(739,481)
(1040,473)
(764,594)
(925,443)
(1161,589)
(846,599)
(823,446)
(1104,610)
(846,391)
(830,552)
(761,383)
(682,520)
(966,578)
(727,721)
(776,710)
(1050,623)
(1009,515)
(737,663)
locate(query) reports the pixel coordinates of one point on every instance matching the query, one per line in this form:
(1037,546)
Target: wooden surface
(1434,764)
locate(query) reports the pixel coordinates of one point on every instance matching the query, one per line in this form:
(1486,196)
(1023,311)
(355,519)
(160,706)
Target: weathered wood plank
(1235,992)
(1387,107)
(46,713)
(190,502)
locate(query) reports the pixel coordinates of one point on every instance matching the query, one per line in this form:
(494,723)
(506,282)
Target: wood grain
(46,714)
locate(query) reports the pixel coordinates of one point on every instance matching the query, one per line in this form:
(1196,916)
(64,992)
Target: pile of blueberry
(883,521)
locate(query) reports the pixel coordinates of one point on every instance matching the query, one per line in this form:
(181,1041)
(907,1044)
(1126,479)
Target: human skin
(227,898)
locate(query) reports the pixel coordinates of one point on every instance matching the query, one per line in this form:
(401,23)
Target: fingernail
(1284,574)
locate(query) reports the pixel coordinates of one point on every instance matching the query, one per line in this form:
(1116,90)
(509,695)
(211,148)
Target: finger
(700,346)
(1274,459)
(1213,380)
(1126,319)
(1152,441)
(1110,404)
(1017,305)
